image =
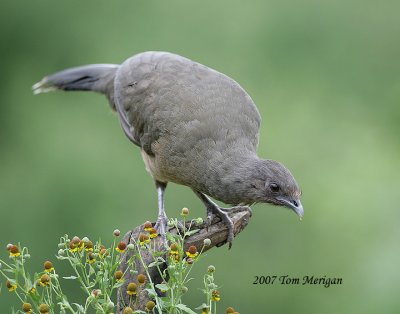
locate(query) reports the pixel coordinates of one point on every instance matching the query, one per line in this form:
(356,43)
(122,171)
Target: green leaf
(71,277)
(203,306)
(184,308)
(91,271)
(154,264)
(74,260)
(151,292)
(118,284)
(62,257)
(8,270)
(80,308)
(191,232)
(160,259)
(162,287)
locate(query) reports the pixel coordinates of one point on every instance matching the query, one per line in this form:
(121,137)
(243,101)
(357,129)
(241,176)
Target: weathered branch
(217,233)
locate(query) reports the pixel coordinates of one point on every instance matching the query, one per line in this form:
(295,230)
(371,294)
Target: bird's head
(275,184)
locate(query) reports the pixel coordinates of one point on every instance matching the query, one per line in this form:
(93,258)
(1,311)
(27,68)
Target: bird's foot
(216,211)
(161,227)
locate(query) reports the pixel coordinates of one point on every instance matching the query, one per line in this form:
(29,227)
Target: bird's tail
(95,77)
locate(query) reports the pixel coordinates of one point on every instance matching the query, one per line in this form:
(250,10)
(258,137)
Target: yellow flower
(164,283)
(11,286)
(27,307)
(192,252)
(14,251)
(103,251)
(72,247)
(119,276)
(131,289)
(230,310)
(88,246)
(121,247)
(148,226)
(215,296)
(76,245)
(174,251)
(153,233)
(45,280)
(48,266)
(204,310)
(143,239)
(91,258)
(32,290)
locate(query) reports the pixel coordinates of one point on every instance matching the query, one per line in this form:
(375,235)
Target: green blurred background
(325,76)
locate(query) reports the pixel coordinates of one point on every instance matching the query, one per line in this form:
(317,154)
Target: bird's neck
(237,175)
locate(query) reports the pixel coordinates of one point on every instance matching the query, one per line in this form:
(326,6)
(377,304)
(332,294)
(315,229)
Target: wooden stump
(216,232)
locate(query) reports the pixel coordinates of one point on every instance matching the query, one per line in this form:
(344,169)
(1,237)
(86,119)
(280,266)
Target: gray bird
(194,126)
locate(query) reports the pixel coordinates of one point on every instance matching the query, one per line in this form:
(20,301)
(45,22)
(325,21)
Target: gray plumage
(195,126)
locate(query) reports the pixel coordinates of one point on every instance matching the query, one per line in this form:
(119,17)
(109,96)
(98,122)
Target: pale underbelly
(151,167)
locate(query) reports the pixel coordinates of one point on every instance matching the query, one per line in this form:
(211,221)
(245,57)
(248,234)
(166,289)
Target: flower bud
(44,308)
(199,221)
(119,275)
(141,279)
(128,310)
(76,240)
(117,233)
(185,211)
(150,306)
(211,269)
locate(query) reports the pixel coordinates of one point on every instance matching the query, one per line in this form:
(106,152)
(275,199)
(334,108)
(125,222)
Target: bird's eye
(274,187)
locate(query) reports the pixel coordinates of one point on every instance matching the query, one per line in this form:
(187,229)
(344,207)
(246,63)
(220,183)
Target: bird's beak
(294,205)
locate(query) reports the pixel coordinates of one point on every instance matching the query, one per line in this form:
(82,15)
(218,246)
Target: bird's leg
(214,210)
(161,224)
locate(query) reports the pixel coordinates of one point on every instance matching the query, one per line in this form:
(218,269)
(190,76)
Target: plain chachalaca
(194,126)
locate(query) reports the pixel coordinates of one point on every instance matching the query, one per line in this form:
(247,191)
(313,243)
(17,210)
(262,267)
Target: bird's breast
(152,168)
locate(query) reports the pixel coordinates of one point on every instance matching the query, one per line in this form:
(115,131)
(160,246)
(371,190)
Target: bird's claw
(161,227)
(210,218)
(222,213)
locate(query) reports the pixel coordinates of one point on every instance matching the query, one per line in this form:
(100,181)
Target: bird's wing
(165,95)
(129,130)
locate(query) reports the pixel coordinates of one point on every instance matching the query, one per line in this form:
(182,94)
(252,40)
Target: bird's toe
(161,227)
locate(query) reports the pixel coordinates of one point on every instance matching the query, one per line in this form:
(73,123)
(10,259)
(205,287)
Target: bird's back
(187,118)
